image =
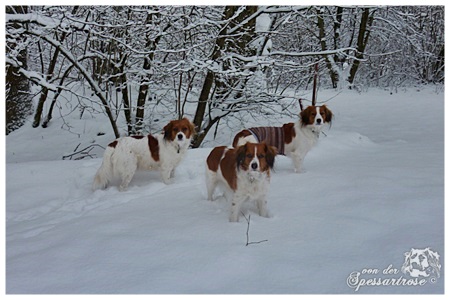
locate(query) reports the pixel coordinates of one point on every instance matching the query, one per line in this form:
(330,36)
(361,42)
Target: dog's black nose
(254,166)
(180,136)
(319,121)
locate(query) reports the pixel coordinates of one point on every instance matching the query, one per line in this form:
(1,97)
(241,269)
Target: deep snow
(373,188)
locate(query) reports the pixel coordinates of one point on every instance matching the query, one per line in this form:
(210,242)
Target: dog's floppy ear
(305,114)
(271,152)
(240,155)
(168,131)
(191,126)
(328,114)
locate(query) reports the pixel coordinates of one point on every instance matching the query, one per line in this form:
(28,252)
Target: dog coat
(273,136)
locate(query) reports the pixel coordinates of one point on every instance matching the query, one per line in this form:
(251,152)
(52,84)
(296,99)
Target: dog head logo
(421,263)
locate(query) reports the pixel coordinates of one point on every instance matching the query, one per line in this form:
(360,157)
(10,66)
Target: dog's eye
(184,129)
(175,129)
(249,156)
(260,155)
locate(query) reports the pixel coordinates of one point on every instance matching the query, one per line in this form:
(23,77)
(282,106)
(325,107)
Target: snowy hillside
(373,188)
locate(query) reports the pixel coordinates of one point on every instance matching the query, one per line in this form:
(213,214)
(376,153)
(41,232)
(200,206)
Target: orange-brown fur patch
(228,168)
(153,145)
(113,144)
(289,132)
(308,115)
(214,157)
(239,135)
(327,115)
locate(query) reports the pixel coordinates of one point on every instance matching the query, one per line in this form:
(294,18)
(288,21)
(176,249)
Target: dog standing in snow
(161,152)
(294,140)
(244,172)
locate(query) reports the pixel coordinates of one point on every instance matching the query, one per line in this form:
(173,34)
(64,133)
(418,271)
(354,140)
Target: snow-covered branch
(84,72)
(313,53)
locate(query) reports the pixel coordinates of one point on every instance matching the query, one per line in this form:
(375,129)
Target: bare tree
(211,63)
(232,43)
(365,25)
(18,99)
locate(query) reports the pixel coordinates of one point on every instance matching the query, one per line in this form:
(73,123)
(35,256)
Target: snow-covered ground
(373,188)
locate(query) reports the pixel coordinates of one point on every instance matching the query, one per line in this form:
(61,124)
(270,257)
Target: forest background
(142,64)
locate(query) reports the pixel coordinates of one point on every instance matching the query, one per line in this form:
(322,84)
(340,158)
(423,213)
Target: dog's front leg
(262,207)
(166,174)
(236,207)
(211,182)
(297,159)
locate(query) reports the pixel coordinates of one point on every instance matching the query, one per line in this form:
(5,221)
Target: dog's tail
(105,172)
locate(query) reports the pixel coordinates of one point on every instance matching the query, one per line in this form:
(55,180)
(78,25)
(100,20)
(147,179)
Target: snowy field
(373,188)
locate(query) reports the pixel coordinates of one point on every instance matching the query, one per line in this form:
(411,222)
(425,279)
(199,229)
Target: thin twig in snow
(248,229)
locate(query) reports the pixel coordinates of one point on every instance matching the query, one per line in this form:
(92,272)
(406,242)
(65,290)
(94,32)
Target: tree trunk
(142,97)
(201,109)
(95,88)
(334,76)
(125,99)
(238,42)
(50,71)
(18,100)
(150,45)
(207,85)
(363,38)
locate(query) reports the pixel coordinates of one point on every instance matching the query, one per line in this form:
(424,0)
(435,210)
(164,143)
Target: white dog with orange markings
(245,173)
(152,152)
